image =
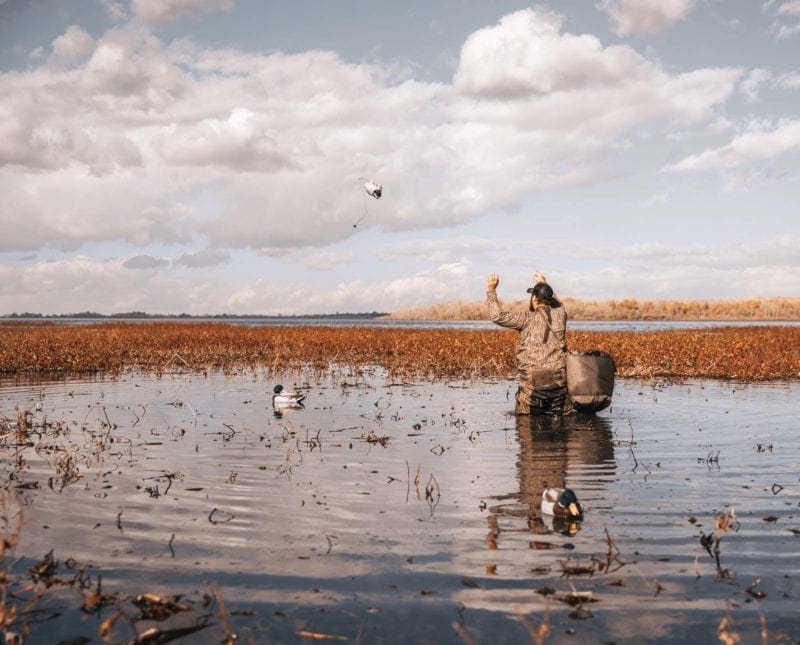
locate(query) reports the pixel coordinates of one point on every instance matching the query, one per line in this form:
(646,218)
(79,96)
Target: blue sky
(205,156)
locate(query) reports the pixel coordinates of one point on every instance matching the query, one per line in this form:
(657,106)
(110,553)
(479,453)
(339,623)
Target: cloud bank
(767,268)
(127,138)
(183,159)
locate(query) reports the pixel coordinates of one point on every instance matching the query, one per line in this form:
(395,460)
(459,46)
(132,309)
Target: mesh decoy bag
(590,379)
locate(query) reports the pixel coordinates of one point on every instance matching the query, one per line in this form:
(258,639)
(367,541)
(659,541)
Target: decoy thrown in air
(373,189)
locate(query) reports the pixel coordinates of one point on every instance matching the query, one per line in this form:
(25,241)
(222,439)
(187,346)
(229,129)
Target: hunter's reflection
(548,450)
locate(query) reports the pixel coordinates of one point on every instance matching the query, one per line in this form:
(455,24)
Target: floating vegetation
(742,353)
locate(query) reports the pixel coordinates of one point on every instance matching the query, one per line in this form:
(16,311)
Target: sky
(209,156)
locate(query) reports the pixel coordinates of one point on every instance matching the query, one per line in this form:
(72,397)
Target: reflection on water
(552,452)
(387,511)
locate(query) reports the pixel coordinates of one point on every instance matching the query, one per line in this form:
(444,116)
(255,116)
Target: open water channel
(388,511)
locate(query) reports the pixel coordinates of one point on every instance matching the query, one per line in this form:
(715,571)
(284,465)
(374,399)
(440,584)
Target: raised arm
(496,314)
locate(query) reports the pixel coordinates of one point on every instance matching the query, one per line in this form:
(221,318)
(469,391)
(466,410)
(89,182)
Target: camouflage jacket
(541,346)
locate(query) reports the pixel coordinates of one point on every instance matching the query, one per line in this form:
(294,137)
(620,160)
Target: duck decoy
(561,502)
(373,189)
(286,399)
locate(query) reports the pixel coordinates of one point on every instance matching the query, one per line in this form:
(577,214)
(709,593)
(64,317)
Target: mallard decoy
(285,399)
(373,189)
(561,502)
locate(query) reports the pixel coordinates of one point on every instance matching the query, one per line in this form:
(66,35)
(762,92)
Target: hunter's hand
(539,277)
(492,281)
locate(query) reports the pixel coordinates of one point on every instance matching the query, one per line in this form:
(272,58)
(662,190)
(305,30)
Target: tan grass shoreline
(752,309)
(741,353)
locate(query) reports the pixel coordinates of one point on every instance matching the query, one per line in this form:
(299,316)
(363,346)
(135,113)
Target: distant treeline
(627,309)
(134,315)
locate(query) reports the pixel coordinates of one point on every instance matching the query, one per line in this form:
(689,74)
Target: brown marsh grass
(626,309)
(745,353)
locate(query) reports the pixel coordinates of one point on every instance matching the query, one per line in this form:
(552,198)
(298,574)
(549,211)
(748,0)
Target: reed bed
(753,309)
(741,353)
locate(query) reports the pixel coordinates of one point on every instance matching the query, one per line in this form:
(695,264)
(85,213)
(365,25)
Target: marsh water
(387,323)
(395,511)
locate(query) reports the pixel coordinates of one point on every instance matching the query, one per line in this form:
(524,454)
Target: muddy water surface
(403,512)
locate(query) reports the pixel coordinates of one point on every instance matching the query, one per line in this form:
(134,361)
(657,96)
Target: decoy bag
(590,379)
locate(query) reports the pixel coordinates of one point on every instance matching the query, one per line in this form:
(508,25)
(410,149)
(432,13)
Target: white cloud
(239,142)
(73,285)
(786,18)
(478,248)
(72,44)
(750,86)
(161,11)
(651,271)
(757,78)
(328,261)
(68,286)
(644,16)
(745,179)
(788,81)
(757,144)
(526,54)
(705,129)
(447,282)
(68,208)
(526,70)
(645,270)
(115,9)
(115,146)
(790,8)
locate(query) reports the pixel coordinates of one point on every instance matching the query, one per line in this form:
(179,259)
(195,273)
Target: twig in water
(631,444)
(230,636)
(431,488)
(110,426)
(228,516)
(330,539)
(612,555)
(318,636)
(408,480)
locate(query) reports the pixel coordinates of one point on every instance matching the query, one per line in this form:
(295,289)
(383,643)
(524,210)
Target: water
(409,512)
(585,325)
